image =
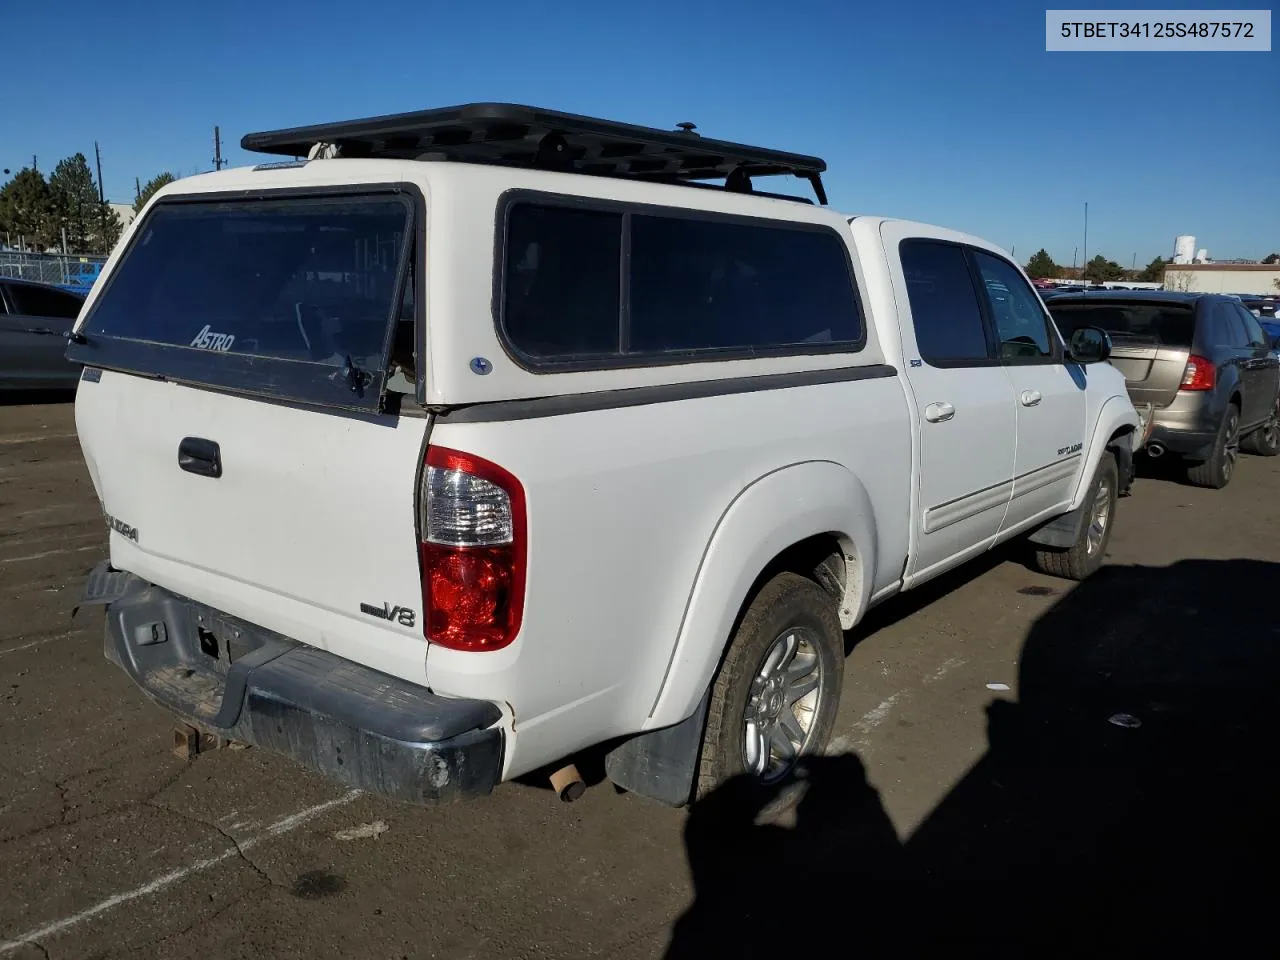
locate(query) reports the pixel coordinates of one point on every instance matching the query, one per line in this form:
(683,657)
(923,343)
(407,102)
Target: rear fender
(775,512)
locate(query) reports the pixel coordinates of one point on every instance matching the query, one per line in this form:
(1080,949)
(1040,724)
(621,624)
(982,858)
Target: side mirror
(1090,345)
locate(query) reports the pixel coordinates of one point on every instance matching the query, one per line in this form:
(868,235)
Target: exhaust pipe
(1155,449)
(568,783)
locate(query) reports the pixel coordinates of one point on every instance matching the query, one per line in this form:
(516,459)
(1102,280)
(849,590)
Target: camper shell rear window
(296,296)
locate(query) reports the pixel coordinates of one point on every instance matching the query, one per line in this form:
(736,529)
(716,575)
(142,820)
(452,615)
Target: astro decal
(1067,451)
(206,339)
(401,615)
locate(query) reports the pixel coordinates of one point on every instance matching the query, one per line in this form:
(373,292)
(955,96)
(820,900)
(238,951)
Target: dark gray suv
(1202,363)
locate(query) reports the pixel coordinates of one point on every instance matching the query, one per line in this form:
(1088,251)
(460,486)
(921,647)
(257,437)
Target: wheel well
(1123,454)
(825,559)
(1123,431)
(1236,401)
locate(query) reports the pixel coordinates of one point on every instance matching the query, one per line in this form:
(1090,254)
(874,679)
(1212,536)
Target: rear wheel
(775,697)
(1085,556)
(1265,441)
(1217,471)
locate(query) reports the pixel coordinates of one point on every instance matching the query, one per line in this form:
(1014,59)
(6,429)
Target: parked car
(34,321)
(81,280)
(1260,307)
(610,460)
(1204,364)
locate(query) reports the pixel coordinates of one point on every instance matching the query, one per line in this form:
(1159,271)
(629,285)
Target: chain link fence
(63,270)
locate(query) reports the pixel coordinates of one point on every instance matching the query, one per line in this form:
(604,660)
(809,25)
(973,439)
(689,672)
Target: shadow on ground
(1077,834)
(23,398)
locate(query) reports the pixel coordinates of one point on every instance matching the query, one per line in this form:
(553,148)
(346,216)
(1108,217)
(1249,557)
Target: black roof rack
(514,135)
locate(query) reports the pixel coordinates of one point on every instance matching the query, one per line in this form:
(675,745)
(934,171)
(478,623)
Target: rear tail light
(1199,374)
(473,551)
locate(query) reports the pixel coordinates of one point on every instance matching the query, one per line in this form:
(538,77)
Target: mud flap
(1063,531)
(105,585)
(661,764)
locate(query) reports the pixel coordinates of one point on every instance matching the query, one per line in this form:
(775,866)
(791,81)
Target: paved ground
(1019,821)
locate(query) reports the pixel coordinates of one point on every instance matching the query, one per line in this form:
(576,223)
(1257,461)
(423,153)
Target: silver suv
(1203,365)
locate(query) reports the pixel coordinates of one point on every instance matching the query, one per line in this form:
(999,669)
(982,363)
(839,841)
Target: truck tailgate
(311,517)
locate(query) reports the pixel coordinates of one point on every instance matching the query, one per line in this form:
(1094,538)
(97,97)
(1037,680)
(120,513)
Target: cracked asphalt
(113,847)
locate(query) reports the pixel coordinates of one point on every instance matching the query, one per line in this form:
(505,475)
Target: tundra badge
(122,528)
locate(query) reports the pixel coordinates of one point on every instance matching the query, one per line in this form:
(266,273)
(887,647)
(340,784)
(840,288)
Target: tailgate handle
(200,456)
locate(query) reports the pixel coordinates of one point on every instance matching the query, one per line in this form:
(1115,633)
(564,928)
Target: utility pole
(1074,251)
(217,149)
(33,163)
(137,190)
(97,154)
(1086,236)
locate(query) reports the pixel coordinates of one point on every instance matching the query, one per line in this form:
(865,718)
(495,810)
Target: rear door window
(209,289)
(1252,328)
(1229,329)
(944,305)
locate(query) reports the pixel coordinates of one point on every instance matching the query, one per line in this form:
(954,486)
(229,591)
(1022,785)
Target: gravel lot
(1021,820)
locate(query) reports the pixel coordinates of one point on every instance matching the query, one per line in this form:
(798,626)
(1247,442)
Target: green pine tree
(26,211)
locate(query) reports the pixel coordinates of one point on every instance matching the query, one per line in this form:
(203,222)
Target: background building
(1223,277)
(123,211)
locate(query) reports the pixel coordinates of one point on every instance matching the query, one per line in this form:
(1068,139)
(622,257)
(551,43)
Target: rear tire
(1085,556)
(775,696)
(1265,440)
(1216,472)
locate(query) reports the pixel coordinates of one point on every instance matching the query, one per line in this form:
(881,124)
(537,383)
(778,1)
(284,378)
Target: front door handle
(1030,398)
(939,412)
(200,456)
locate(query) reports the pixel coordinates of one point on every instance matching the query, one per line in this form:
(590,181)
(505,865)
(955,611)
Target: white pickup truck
(488,434)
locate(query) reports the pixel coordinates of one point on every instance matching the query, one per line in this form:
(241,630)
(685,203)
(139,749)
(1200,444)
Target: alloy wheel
(1099,518)
(782,705)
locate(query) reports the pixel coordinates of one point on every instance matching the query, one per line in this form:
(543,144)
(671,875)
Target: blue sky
(947,112)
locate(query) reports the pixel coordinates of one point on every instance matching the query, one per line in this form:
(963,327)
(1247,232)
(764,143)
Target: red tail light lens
(1199,374)
(473,551)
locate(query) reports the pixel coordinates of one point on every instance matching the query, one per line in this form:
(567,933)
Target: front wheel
(774,699)
(1085,556)
(1265,441)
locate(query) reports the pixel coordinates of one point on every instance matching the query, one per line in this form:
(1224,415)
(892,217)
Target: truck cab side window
(1017,312)
(944,305)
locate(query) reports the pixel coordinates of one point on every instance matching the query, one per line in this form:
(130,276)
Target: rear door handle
(939,412)
(1030,398)
(200,456)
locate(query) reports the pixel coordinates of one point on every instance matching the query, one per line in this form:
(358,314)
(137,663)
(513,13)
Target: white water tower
(1202,256)
(1184,249)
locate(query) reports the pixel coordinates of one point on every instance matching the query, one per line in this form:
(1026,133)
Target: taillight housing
(472,523)
(1199,374)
